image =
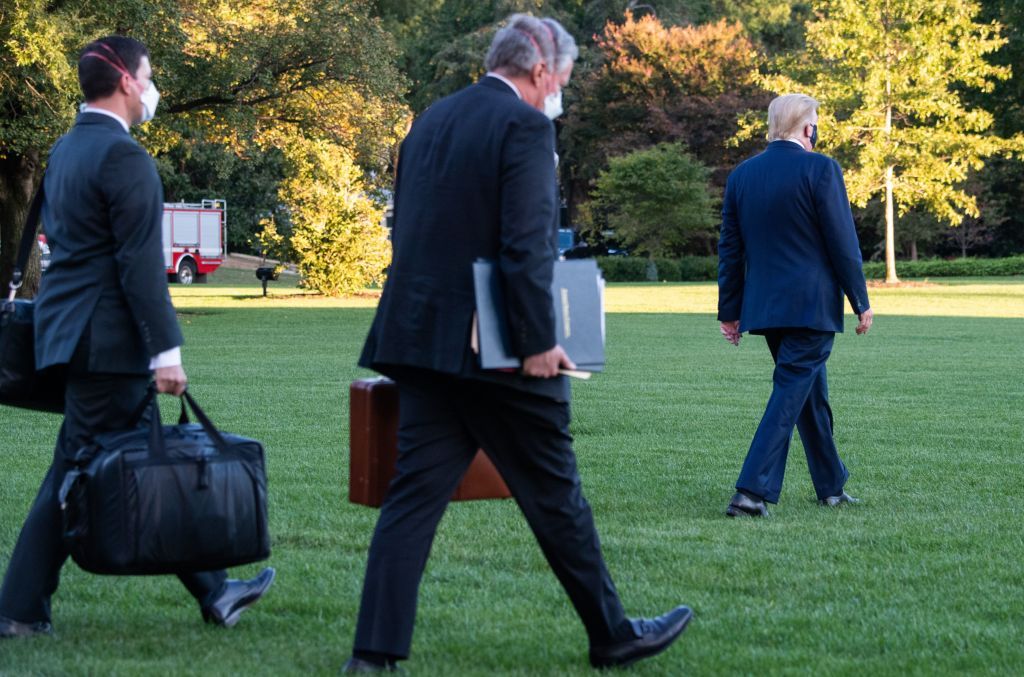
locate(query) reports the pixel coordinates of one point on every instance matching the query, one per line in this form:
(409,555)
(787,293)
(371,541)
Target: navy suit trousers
(799,398)
(442,422)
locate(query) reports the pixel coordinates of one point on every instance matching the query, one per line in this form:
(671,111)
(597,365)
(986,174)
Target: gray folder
(577,291)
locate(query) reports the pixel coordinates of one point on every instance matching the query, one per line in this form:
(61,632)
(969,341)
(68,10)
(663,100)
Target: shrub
(623,268)
(698,268)
(969,267)
(667,269)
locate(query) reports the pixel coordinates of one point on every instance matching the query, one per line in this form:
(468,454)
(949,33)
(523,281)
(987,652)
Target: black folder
(577,291)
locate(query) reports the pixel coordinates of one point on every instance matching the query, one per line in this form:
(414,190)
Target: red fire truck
(194,236)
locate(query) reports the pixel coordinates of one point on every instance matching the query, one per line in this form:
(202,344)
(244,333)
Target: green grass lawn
(926,576)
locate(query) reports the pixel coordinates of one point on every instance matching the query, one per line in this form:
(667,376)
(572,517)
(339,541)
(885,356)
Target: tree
(243,78)
(889,75)
(656,200)
(650,83)
(339,239)
(35,81)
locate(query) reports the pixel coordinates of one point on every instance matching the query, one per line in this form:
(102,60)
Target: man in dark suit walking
(476,179)
(104,315)
(788,253)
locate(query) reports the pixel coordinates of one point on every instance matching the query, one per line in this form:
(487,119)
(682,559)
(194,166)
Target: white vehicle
(195,238)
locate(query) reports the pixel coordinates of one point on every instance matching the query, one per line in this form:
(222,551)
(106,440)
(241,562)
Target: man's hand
(171,380)
(866,318)
(731,331)
(547,364)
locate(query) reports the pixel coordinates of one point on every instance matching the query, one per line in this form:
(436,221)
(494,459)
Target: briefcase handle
(156,433)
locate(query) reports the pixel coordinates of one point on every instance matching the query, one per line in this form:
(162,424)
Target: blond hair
(788,113)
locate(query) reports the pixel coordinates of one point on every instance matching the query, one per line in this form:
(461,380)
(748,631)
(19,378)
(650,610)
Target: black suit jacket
(476,179)
(106,282)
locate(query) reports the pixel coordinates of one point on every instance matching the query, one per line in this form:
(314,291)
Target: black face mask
(814,136)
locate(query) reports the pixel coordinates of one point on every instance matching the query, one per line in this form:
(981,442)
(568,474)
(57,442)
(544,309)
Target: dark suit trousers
(442,422)
(95,403)
(799,397)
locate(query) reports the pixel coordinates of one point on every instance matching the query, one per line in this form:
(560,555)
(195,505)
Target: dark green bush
(634,268)
(969,267)
(702,268)
(623,268)
(698,268)
(668,269)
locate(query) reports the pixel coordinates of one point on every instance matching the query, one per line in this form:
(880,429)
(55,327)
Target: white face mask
(553,105)
(150,98)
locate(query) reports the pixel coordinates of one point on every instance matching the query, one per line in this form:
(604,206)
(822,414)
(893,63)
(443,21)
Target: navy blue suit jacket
(106,281)
(476,179)
(788,249)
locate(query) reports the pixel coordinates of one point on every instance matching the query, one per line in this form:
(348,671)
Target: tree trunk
(913,249)
(18,178)
(890,231)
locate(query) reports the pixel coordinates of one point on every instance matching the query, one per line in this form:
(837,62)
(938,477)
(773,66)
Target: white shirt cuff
(168,358)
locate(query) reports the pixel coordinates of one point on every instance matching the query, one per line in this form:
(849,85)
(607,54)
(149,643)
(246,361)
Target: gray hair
(566,51)
(520,45)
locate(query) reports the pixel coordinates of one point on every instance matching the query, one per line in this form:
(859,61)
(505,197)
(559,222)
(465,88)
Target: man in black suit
(476,179)
(787,255)
(103,313)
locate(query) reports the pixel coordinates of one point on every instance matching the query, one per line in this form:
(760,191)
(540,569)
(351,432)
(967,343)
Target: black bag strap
(204,421)
(28,236)
(157,448)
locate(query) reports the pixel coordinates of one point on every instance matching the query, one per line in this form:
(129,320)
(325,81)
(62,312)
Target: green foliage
(38,81)
(963,267)
(656,200)
(241,85)
(698,268)
(270,243)
(246,180)
(623,268)
(648,82)
(340,243)
(777,27)
(889,75)
(665,269)
(636,269)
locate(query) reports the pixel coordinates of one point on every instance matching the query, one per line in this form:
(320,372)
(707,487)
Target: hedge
(969,267)
(700,268)
(637,269)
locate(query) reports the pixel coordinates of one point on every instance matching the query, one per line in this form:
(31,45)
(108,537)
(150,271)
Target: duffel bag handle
(203,419)
(156,433)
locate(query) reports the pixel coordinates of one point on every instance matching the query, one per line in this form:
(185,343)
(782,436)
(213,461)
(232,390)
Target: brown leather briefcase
(373,449)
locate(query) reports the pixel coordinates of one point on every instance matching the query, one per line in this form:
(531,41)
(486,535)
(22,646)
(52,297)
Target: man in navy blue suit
(787,255)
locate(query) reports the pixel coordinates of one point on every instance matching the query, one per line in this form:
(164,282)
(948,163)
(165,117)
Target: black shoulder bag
(20,384)
(160,499)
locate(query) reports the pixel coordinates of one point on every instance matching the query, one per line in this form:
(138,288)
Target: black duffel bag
(20,384)
(166,499)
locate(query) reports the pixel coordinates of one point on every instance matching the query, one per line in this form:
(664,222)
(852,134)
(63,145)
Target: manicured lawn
(925,577)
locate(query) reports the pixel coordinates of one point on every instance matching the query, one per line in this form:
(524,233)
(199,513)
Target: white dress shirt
(86,108)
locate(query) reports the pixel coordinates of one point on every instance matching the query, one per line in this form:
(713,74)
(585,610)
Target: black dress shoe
(354,665)
(833,501)
(235,597)
(10,628)
(653,635)
(742,504)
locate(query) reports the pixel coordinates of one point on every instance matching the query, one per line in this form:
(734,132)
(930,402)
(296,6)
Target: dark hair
(97,75)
